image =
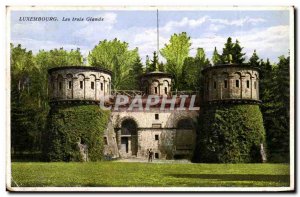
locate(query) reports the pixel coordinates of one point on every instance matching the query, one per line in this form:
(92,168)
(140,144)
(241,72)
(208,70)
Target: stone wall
(110,141)
(156,130)
(231,82)
(79,83)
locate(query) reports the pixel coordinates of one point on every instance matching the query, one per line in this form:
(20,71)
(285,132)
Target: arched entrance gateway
(185,138)
(128,145)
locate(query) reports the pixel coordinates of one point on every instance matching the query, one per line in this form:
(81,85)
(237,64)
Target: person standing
(150,155)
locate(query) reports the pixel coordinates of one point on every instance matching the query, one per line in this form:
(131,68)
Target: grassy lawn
(148,174)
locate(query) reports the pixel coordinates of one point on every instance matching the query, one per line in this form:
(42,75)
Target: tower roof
(246,66)
(81,67)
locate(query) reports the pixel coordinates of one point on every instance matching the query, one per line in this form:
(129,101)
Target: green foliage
(29,99)
(238,56)
(114,174)
(275,93)
(230,134)
(67,124)
(28,112)
(233,49)
(228,49)
(175,53)
(58,58)
(45,60)
(135,73)
(216,58)
(29,96)
(153,65)
(147,62)
(115,56)
(161,67)
(254,60)
(191,78)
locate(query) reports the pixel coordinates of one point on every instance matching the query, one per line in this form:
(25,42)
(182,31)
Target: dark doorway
(129,133)
(124,140)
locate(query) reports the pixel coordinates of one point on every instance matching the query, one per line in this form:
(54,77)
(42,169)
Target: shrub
(230,134)
(67,124)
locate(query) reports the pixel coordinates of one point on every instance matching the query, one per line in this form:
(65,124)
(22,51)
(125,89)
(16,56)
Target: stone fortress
(79,83)
(171,134)
(230,81)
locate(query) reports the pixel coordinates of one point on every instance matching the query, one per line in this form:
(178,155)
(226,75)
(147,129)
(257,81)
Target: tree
(136,71)
(254,60)
(115,56)
(233,49)
(147,63)
(59,57)
(227,50)
(201,62)
(191,73)
(216,59)
(161,67)
(27,117)
(237,55)
(175,53)
(29,96)
(153,66)
(274,88)
(266,70)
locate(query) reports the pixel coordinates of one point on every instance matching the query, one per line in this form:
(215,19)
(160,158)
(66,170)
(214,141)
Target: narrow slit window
(105,141)
(81,84)
(225,83)
(155,90)
(101,86)
(92,85)
(237,83)
(156,137)
(166,90)
(70,84)
(248,83)
(156,116)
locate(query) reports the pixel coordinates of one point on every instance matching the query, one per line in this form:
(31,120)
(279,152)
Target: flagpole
(157,23)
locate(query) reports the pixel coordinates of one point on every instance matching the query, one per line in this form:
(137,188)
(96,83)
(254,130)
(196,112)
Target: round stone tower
(231,82)
(79,83)
(156,83)
(231,124)
(77,128)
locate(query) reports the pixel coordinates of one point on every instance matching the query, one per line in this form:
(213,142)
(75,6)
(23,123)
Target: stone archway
(185,138)
(128,143)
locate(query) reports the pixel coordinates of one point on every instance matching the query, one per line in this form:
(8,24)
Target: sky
(267,32)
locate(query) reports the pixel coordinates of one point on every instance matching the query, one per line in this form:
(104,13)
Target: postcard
(150,99)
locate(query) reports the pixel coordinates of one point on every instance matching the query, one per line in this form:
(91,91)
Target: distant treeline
(29,95)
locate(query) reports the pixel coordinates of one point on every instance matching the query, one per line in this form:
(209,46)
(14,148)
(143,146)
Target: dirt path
(142,160)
